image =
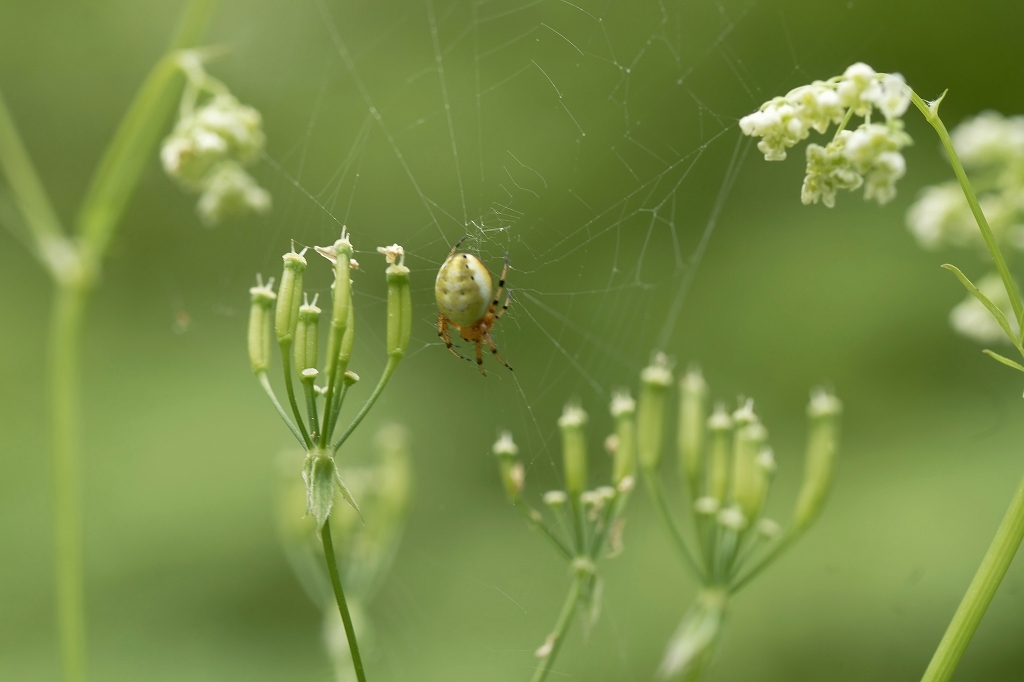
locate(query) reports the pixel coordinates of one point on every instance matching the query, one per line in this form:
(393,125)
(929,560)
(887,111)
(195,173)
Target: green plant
(870,156)
(294,324)
(725,468)
(74,260)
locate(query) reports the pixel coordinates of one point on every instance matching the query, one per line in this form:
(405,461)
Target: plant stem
(656,493)
(972,607)
(265,383)
(389,369)
(65,330)
(561,627)
(339,595)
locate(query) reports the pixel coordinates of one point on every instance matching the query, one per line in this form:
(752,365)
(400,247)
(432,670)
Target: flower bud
(720,426)
(340,254)
(306,337)
(263,297)
(747,445)
(230,192)
(650,421)
(289,297)
(822,442)
(574,449)
(624,411)
(513,476)
(693,398)
(399,300)
(763,473)
(556,499)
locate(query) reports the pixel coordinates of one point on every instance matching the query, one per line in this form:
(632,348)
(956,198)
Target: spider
(467,300)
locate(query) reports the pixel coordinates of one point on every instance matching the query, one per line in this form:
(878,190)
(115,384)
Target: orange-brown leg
(480,356)
(442,331)
(494,350)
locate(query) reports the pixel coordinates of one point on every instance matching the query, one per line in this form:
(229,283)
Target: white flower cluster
(868,156)
(991,148)
(206,153)
(971,319)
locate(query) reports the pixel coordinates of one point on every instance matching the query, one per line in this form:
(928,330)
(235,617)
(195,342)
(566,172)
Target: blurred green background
(185,578)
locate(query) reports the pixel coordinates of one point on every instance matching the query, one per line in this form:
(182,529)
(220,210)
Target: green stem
(314,421)
(561,627)
(972,607)
(389,369)
(65,332)
(658,496)
(339,595)
(265,383)
(542,527)
(286,364)
(932,116)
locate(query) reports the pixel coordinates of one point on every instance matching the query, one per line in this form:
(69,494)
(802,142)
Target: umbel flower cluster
(867,156)
(583,525)
(726,469)
(215,137)
(991,149)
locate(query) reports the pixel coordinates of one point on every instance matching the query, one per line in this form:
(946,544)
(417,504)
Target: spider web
(593,142)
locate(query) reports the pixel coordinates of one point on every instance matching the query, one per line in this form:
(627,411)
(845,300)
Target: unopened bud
(574,448)
(306,336)
(263,297)
(720,426)
(624,411)
(706,506)
(350,377)
(693,399)
(340,254)
(289,297)
(399,301)
(555,499)
(650,421)
(513,475)
(748,444)
(732,518)
(822,442)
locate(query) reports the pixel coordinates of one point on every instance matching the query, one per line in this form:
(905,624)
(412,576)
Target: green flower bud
(747,446)
(764,472)
(512,473)
(399,300)
(263,298)
(822,442)
(624,411)
(693,412)
(340,254)
(720,426)
(574,449)
(289,297)
(306,336)
(556,499)
(650,421)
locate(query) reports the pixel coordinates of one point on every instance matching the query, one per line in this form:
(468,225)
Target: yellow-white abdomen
(463,289)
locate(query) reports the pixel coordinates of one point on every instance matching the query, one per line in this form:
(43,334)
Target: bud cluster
(867,156)
(295,323)
(727,467)
(211,144)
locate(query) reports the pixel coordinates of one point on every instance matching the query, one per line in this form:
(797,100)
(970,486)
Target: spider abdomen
(463,289)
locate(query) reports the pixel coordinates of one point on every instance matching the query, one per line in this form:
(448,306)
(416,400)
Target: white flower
(880,182)
(190,152)
(241,126)
(229,192)
(828,171)
(941,216)
(971,319)
(818,104)
(890,95)
(778,125)
(989,138)
(856,79)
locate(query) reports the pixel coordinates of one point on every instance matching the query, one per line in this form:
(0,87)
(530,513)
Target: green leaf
(992,307)
(1006,361)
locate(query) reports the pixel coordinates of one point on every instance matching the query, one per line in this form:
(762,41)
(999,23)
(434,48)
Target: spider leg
(480,356)
(508,300)
(500,289)
(455,248)
(494,349)
(443,332)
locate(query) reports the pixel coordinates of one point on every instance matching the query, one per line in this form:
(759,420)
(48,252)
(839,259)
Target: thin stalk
(65,332)
(986,232)
(542,527)
(983,587)
(389,369)
(286,363)
(339,595)
(314,420)
(766,559)
(339,400)
(561,627)
(265,383)
(656,493)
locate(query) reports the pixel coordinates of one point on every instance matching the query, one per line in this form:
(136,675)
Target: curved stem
(286,364)
(265,383)
(978,596)
(65,332)
(389,369)
(657,495)
(554,640)
(339,595)
(542,527)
